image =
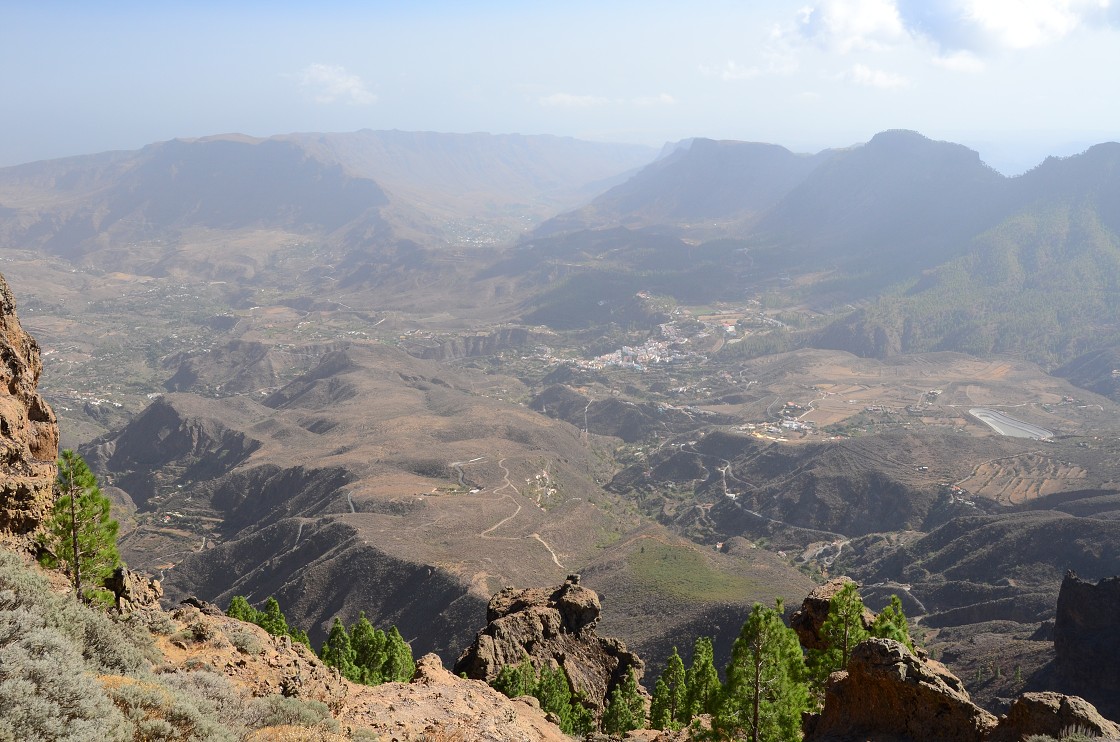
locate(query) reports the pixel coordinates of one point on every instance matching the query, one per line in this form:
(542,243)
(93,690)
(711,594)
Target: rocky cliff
(552,627)
(1054,715)
(888,693)
(1087,641)
(28,429)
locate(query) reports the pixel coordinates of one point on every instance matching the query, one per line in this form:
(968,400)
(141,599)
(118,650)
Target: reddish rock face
(888,693)
(1052,714)
(28,430)
(554,627)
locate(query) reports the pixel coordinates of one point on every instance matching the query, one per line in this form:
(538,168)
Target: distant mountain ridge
(699,181)
(940,251)
(320,183)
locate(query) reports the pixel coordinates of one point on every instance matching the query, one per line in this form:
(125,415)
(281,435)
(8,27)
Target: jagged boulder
(807,620)
(133,591)
(552,627)
(1087,640)
(1052,714)
(889,693)
(28,430)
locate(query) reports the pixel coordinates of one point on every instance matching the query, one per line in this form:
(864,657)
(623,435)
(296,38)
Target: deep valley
(396,373)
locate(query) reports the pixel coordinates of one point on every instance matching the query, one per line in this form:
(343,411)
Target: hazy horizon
(1016,80)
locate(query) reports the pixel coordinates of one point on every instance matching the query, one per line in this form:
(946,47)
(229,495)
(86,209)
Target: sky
(1017,80)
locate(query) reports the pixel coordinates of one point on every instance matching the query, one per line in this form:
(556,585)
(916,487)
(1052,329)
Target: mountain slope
(218,183)
(899,202)
(1044,283)
(698,186)
(497,172)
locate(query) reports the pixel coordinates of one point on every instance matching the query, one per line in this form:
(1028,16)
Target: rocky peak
(28,430)
(1087,640)
(553,627)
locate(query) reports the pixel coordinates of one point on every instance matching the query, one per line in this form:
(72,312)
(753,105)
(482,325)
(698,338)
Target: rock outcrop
(1087,641)
(1052,714)
(134,591)
(439,705)
(807,620)
(552,627)
(28,430)
(889,693)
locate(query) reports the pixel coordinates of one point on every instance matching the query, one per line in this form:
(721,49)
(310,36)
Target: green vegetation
(704,688)
(271,619)
(1041,285)
(625,709)
(891,623)
(80,537)
(552,688)
(767,686)
(683,573)
(368,655)
(840,632)
(669,709)
(363,654)
(70,672)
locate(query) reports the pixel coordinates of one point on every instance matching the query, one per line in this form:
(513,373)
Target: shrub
(276,710)
(107,646)
(244,640)
(164,712)
(44,689)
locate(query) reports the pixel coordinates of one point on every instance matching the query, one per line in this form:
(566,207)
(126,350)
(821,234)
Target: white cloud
(861,74)
(664,99)
(567,100)
(328,83)
(853,25)
(989,25)
(960,61)
(779,57)
(1021,24)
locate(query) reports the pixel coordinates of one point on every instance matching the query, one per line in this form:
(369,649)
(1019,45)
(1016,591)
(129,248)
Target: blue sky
(1015,79)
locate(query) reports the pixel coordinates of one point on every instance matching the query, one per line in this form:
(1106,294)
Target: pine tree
(399,665)
(240,609)
(516,680)
(670,696)
(702,680)
(369,650)
(272,619)
(841,631)
(659,715)
(891,623)
(553,690)
(625,709)
(337,651)
(80,536)
(767,688)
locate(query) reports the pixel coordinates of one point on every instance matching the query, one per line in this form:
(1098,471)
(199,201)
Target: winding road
(535,536)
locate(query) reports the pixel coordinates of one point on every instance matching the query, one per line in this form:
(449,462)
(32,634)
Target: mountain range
(395,372)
